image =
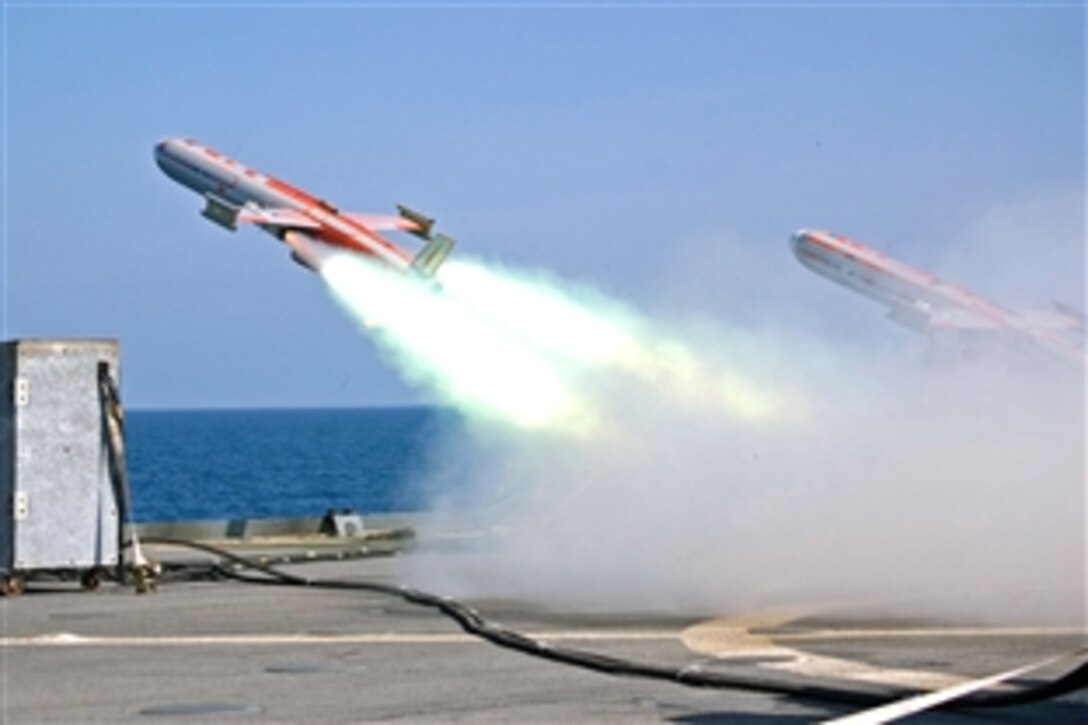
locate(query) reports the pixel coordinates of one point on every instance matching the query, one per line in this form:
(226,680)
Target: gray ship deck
(226,650)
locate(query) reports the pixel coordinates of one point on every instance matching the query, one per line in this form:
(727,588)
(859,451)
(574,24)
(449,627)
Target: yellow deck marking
(734,638)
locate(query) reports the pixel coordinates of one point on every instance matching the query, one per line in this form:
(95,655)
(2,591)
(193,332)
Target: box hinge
(22,392)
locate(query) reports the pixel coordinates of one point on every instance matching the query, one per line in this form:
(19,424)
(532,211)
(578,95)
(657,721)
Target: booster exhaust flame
(467,360)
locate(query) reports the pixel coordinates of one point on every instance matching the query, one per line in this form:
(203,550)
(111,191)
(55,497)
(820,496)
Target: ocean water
(187,465)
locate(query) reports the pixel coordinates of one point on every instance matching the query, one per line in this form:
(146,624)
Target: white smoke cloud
(709,467)
(934,493)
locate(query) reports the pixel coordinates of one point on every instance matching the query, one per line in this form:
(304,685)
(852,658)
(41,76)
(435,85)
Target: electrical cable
(113,424)
(472,622)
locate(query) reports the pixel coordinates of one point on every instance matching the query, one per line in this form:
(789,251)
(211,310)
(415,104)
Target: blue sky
(661,154)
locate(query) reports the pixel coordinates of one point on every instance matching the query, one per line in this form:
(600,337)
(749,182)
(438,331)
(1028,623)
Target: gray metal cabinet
(58,507)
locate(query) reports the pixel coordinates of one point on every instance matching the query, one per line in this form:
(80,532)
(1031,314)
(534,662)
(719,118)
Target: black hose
(473,623)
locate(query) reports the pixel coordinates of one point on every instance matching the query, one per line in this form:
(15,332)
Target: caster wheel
(91,580)
(13,585)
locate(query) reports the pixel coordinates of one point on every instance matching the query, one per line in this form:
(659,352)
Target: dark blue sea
(223,464)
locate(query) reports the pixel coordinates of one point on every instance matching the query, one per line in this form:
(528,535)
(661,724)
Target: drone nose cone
(796,238)
(167,146)
(167,155)
(161,149)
